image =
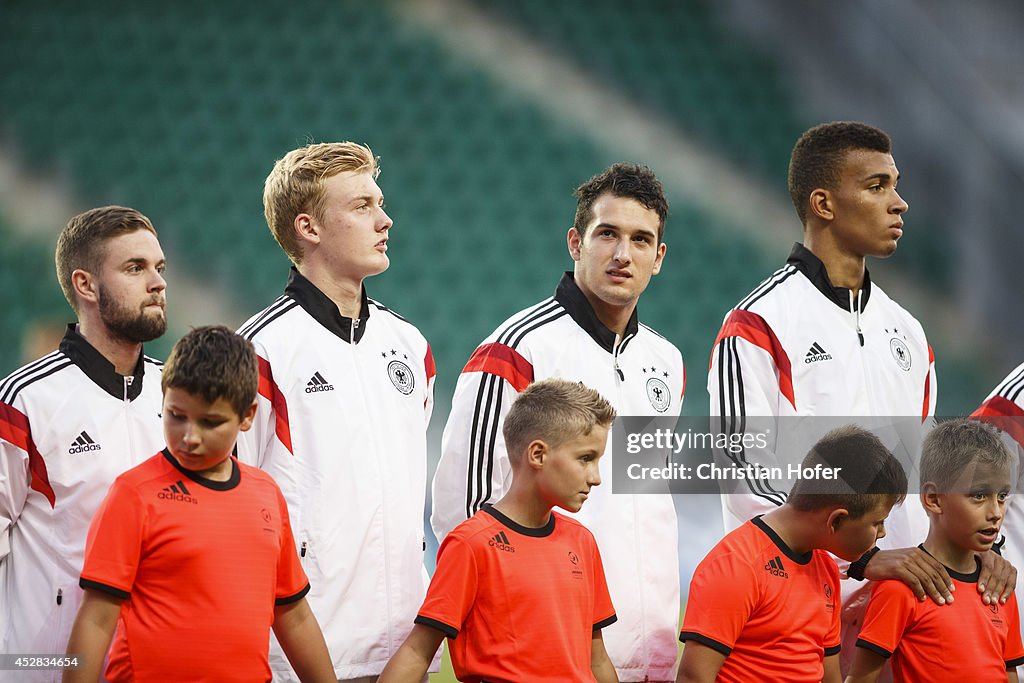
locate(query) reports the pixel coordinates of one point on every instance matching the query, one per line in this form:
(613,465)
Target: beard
(136,326)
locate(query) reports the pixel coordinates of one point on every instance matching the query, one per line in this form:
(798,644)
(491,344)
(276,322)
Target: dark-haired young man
(820,338)
(589,332)
(74,420)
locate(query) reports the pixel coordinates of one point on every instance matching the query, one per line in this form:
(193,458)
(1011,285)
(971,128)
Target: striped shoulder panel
(153,361)
(547,311)
(654,332)
(1012,386)
(281,305)
(33,372)
(382,307)
(776,279)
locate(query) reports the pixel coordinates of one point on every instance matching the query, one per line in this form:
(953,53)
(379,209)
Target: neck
(122,353)
(845,269)
(955,557)
(346,293)
(615,318)
(792,527)
(522,506)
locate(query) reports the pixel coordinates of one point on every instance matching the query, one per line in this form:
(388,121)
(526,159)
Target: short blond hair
(82,243)
(296,185)
(554,411)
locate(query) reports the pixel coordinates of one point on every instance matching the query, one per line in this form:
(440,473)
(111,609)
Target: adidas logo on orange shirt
(501,542)
(775,568)
(177,492)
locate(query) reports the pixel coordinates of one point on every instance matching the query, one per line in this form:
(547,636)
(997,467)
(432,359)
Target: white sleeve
(474,467)
(15,477)
(253,444)
(743,381)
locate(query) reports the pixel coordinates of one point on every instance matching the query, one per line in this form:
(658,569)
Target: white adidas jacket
(341,426)
(641,374)
(798,349)
(69,425)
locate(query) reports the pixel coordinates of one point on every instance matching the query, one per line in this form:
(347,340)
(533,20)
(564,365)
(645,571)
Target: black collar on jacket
(575,302)
(100,370)
(804,260)
(325,311)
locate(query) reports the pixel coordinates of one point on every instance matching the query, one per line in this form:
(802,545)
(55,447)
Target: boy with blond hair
(191,556)
(764,603)
(966,475)
(520,589)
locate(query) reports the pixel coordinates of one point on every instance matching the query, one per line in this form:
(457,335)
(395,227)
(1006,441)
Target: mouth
(382,246)
(989,535)
(618,275)
(896,229)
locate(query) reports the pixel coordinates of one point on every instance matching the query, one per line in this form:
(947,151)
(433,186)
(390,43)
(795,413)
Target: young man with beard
(74,420)
(588,332)
(345,394)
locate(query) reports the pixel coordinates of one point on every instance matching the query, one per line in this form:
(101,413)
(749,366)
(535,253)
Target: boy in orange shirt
(965,481)
(519,589)
(764,603)
(191,556)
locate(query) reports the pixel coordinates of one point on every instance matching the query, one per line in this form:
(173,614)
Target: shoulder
(146,473)
(774,292)
(891,307)
(533,322)
(38,375)
(381,314)
(269,318)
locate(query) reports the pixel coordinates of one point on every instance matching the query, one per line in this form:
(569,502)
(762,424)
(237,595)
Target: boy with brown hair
(520,589)
(764,603)
(966,475)
(164,550)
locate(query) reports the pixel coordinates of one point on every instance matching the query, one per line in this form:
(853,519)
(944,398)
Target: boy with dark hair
(764,603)
(589,331)
(965,481)
(165,549)
(519,589)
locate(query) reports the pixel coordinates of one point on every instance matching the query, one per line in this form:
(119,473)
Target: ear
(821,205)
(306,228)
(836,518)
(247,418)
(536,454)
(575,242)
(662,248)
(85,285)
(931,499)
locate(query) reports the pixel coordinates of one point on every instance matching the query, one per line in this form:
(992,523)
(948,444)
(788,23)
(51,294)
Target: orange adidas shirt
(963,641)
(518,604)
(200,565)
(772,612)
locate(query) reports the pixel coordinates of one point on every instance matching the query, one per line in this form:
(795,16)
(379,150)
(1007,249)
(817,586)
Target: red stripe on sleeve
(15,429)
(1004,414)
(269,390)
(754,329)
(682,392)
(503,361)
(428,364)
(928,384)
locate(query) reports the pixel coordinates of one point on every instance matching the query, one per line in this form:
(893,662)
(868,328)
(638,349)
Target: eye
(643,239)
(133,268)
(210,424)
(161,268)
(1003,495)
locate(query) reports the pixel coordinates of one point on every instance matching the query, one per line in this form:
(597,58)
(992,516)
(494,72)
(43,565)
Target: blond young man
(73,420)
(345,395)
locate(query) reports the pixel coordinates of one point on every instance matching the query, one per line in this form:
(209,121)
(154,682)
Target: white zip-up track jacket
(341,426)
(797,348)
(69,425)
(639,374)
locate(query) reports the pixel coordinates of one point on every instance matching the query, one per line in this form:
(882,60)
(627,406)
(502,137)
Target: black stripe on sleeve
(289,599)
(874,648)
(706,642)
(104,588)
(829,651)
(444,628)
(604,623)
(1012,664)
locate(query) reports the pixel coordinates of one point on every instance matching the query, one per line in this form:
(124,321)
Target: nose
(901,206)
(622,254)
(191,436)
(996,508)
(594,476)
(157,282)
(386,222)
(881,532)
